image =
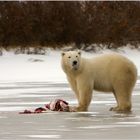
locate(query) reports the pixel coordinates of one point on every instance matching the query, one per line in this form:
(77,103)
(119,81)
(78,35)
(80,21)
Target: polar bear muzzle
(74,63)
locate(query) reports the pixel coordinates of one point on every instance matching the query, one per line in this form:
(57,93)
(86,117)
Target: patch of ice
(21,96)
(94,102)
(17,108)
(23,103)
(3,117)
(107,126)
(45,136)
(103,102)
(88,113)
(129,123)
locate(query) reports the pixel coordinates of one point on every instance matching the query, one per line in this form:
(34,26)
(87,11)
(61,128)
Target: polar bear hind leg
(123,98)
(124,104)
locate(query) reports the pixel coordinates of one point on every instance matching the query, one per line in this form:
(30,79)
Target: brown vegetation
(42,23)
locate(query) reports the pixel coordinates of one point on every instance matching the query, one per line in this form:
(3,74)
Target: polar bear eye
(69,57)
(76,56)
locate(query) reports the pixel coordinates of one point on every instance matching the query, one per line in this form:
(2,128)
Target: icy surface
(98,123)
(26,84)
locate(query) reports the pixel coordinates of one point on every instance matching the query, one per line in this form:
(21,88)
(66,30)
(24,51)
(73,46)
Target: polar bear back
(106,69)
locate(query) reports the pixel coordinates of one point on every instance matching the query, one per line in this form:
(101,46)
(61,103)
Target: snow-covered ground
(30,81)
(46,67)
(24,67)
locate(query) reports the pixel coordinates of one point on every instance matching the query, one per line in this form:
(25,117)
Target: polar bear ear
(63,53)
(79,52)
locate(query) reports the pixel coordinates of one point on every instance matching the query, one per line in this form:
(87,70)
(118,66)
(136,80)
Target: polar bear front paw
(72,108)
(81,109)
(77,109)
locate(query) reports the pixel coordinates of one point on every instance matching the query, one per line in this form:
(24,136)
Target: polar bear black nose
(74,62)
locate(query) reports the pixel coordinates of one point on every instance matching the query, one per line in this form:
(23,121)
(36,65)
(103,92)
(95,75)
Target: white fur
(107,73)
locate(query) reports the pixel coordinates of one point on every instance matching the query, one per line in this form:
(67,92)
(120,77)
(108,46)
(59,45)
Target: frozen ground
(30,81)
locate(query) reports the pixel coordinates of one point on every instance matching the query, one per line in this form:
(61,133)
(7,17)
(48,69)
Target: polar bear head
(71,60)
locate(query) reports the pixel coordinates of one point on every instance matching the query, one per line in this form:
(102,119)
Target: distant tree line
(24,23)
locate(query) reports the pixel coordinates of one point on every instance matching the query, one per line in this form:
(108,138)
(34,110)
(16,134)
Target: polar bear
(107,73)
